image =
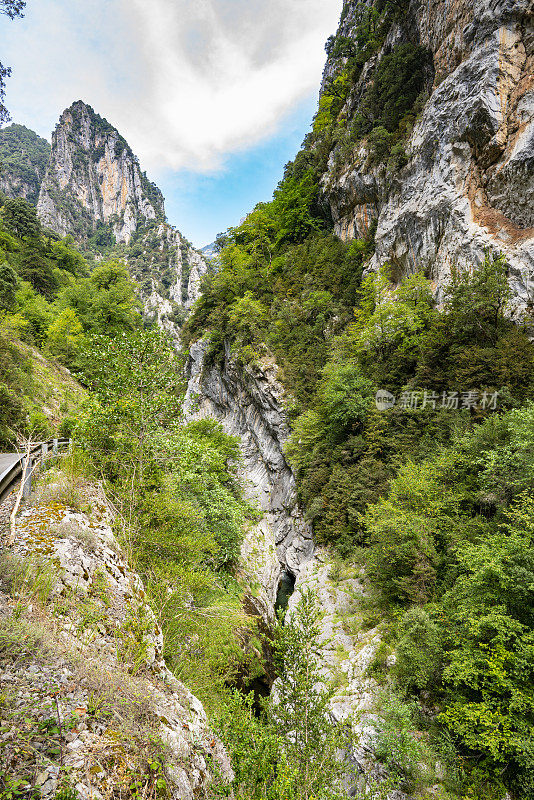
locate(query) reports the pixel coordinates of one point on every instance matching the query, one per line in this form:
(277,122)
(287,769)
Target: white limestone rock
(467,188)
(249,404)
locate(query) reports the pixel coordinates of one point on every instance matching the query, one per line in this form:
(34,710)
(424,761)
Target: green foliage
(64,336)
(344,452)
(296,296)
(14,377)
(20,218)
(290,752)
(134,378)
(419,651)
(23,159)
(300,707)
(398,80)
(182,511)
(410,530)
(489,676)
(397,744)
(8,282)
(105,303)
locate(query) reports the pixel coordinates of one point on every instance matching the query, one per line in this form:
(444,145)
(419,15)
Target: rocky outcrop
(23,159)
(93,180)
(169,271)
(94,189)
(467,186)
(249,403)
(348,649)
(82,665)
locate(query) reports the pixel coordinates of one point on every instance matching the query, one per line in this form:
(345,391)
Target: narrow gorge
(250,466)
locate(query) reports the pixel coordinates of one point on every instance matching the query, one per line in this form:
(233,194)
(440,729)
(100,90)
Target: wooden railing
(38,452)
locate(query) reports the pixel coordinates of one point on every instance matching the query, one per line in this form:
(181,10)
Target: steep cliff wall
(86,687)
(465,181)
(93,177)
(168,270)
(94,189)
(249,404)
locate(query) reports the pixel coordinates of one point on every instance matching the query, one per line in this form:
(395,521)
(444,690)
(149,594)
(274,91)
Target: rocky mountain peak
(94,180)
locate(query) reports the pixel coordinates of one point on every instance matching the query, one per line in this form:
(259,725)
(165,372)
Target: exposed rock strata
(348,649)
(468,185)
(94,190)
(93,177)
(249,403)
(98,667)
(169,271)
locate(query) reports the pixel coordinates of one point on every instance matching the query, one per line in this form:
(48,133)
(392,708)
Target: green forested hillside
(431,494)
(49,301)
(23,159)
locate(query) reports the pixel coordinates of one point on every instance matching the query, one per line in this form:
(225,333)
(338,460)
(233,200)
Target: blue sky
(214,96)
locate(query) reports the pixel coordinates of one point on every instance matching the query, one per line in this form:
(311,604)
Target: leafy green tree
(20,218)
(300,707)
(419,651)
(477,300)
(34,267)
(409,532)
(255,750)
(135,380)
(490,665)
(64,336)
(105,302)
(34,313)
(290,752)
(8,283)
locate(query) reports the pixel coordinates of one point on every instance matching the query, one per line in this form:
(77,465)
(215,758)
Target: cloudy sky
(213,95)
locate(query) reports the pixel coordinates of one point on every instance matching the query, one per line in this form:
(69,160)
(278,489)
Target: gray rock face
(93,177)
(468,185)
(94,184)
(168,270)
(249,404)
(100,658)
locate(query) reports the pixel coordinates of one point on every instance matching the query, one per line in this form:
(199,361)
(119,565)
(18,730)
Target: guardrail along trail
(17,466)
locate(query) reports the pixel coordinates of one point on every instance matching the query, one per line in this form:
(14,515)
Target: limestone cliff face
(468,183)
(94,189)
(93,179)
(249,404)
(84,670)
(169,271)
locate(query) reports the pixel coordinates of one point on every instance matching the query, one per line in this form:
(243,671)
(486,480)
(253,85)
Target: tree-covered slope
(427,483)
(23,160)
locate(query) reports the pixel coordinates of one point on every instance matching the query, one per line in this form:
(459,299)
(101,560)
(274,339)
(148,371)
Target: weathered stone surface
(467,188)
(94,177)
(249,404)
(347,652)
(164,250)
(101,649)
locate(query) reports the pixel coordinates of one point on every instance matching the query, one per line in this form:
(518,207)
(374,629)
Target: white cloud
(186,81)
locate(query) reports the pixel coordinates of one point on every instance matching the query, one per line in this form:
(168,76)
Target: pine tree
(300,709)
